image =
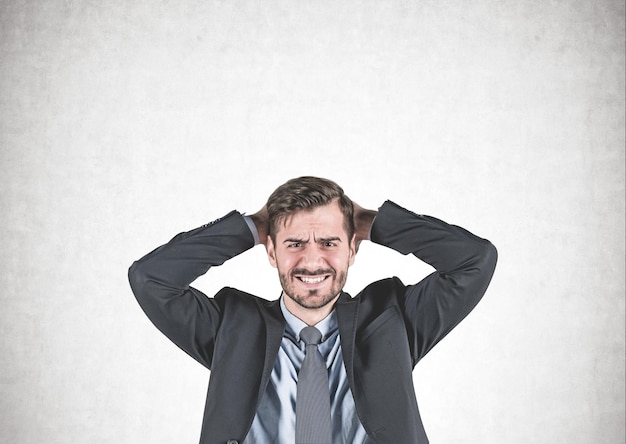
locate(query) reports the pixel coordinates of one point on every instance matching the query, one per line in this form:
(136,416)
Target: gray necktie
(313,398)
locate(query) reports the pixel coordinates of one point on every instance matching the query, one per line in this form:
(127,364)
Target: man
(370,344)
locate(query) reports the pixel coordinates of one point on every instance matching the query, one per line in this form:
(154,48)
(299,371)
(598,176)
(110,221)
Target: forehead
(324,220)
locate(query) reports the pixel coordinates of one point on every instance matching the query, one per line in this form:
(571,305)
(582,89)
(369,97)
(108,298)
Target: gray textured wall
(123,123)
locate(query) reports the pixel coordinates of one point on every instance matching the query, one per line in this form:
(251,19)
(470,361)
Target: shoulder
(380,295)
(238,303)
(383,288)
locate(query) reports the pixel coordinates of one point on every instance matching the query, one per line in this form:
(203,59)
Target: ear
(271,252)
(353,249)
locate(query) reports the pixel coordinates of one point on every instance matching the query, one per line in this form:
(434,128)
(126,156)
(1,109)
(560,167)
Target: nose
(312,257)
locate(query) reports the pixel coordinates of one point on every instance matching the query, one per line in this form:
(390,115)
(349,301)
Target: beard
(313,298)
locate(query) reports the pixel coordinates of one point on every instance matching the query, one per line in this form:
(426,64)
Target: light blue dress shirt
(275,420)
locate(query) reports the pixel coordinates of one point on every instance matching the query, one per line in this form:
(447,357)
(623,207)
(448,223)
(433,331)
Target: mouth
(312,280)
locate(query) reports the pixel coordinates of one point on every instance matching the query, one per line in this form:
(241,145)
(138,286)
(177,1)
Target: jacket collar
(275,325)
(347,309)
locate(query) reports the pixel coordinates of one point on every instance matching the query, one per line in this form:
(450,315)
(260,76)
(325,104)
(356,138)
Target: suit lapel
(347,310)
(275,328)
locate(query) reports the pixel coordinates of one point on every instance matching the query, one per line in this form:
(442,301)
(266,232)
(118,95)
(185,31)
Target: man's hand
(363,220)
(261,221)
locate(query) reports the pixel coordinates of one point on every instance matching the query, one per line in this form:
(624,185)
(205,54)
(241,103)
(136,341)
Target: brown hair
(307,193)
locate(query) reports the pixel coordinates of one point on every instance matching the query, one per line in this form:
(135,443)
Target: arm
(464,265)
(161,282)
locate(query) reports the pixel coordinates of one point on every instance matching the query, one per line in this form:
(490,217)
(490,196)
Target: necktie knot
(310,336)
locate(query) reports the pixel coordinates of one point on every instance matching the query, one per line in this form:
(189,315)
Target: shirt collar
(326,326)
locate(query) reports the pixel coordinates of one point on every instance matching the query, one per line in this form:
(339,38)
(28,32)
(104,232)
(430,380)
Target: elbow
(490,256)
(137,279)
(486,265)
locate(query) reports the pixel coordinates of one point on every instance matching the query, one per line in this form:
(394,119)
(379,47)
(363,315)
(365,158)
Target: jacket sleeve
(464,265)
(161,283)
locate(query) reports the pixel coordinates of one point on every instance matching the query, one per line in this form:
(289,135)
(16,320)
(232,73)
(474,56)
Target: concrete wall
(124,123)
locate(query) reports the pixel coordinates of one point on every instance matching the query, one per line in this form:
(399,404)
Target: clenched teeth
(312,280)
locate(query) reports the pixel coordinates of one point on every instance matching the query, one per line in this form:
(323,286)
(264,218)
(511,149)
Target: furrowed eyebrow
(329,239)
(292,240)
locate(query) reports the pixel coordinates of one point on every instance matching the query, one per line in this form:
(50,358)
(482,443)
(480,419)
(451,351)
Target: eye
(294,245)
(329,244)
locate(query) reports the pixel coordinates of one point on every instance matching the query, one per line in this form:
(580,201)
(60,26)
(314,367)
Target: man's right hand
(363,219)
(261,221)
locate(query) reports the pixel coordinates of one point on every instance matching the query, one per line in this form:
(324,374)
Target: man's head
(311,242)
(307,193)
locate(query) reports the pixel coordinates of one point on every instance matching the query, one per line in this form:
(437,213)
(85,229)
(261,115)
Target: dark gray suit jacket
(385,330)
